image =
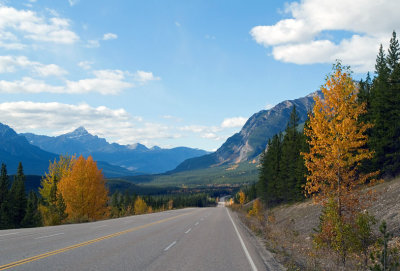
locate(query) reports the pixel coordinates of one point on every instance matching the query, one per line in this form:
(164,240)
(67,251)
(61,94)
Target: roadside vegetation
(74,190)
(350,143)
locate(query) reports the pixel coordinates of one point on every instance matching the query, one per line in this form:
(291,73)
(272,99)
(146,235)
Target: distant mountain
(252,140)
(136,157)
(15,148)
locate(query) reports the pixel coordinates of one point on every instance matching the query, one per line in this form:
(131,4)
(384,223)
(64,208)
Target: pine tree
(5,216)
(384,111)
(32,216)
(18,197)
(269,184)
(393,54)
(292,172)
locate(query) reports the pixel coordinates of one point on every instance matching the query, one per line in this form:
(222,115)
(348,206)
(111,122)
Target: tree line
(74,190)
(17,209)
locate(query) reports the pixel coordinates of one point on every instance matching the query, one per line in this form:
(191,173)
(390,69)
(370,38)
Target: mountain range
(253,138)
(35,151)
(137,158)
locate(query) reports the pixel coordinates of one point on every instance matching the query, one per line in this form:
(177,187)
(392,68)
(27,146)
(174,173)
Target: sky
(175,72)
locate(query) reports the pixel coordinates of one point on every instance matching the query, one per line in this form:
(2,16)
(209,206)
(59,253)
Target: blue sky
(174,73)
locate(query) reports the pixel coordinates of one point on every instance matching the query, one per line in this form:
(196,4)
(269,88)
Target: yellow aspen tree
(242,197)
(84,191)
(57,169)
(140,206)
(337,142)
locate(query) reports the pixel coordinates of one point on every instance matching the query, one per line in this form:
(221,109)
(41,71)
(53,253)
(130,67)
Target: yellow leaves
(256,211)
(242,197)
(84,191)
(141,207)
(337,140)
(57,170)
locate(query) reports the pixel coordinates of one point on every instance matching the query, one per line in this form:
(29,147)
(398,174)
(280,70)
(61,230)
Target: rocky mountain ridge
(252,139)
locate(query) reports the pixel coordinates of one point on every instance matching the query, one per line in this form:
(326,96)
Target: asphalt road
(186,239)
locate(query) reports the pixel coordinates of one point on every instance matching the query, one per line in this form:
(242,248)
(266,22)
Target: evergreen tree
(384,111)
(5,215)
(18,197)
(393,54)
(270,177)
(32,216)
(292,174)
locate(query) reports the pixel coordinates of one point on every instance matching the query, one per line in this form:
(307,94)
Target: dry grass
(288,229)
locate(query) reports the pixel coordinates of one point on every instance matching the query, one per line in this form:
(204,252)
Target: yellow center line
(61,250)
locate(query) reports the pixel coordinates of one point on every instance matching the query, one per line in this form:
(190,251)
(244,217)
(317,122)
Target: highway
(185,239)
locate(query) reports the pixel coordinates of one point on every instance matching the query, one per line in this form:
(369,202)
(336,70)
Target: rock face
(135,157)
(252,140)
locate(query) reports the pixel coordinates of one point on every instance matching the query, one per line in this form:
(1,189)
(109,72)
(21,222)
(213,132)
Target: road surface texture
(186,239)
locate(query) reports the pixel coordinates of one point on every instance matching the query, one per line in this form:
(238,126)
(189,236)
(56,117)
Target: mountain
(252,140)
(15,148)
(135,157)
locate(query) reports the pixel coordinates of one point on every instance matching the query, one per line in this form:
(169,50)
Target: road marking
(49,235)
(197,223)
(253,266)
(188,230)
(171,245)
(61,250)
(9,234)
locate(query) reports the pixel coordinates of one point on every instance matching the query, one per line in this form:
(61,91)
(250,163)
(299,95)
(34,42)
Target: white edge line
(9,234)
(188,230)
(253,266)
(171,245)
(49,235)
(197,223)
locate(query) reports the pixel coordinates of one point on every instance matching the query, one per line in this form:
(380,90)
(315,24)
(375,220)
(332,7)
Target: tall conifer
(18,197)
(5,215)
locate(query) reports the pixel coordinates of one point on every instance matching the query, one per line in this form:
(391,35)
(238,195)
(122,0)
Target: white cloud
(105,82)
(177,24)
(110,36)
(233,122)
(12,63)
(302,38)
(93,44)
(143,77)
(29,25)
(117,125)
(87,65)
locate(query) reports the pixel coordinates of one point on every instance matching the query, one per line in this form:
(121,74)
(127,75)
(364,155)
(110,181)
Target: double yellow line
(61,250)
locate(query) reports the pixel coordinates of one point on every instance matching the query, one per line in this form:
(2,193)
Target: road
(185,239)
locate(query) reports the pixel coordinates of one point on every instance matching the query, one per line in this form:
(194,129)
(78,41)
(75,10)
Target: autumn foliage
(141,207)
(84,191)
(337,146)
(337,142)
